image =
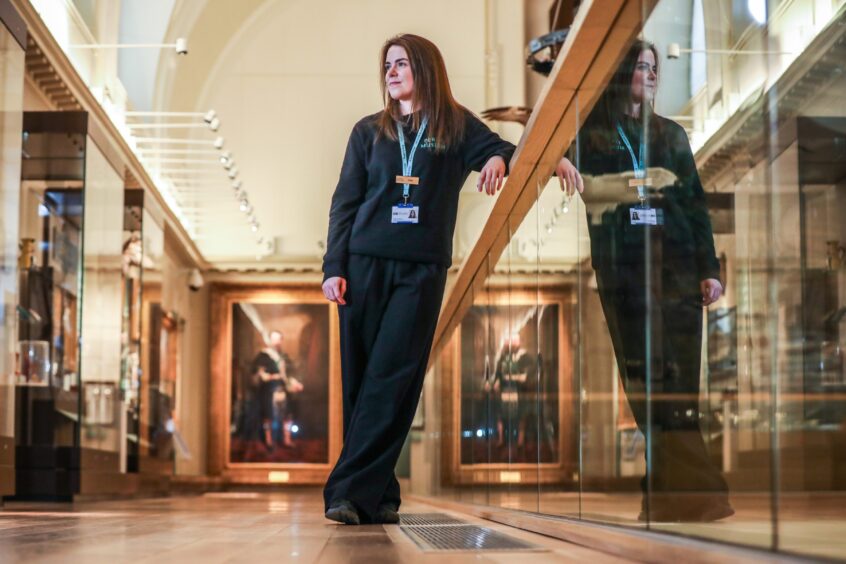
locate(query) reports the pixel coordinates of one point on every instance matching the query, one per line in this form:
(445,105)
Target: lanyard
(639,166)
(409,159)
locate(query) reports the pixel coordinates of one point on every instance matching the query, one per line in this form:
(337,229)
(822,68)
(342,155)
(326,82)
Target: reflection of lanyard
(639,165)
(408,160)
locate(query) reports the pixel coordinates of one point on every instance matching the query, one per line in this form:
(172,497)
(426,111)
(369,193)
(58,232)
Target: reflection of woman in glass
(390,243)
(652,250)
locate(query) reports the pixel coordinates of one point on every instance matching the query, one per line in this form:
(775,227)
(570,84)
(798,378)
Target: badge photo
(405,214)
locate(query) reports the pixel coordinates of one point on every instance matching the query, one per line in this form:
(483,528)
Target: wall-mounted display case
(13,38)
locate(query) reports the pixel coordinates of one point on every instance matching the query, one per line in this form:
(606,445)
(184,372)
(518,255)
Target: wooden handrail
(599,36)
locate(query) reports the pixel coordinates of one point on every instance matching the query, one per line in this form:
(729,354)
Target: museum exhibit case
(71,416)
(48,396)
(699,282)
(12,45)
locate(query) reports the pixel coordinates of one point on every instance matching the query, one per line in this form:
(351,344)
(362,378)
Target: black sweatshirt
(689,240)
(360,216)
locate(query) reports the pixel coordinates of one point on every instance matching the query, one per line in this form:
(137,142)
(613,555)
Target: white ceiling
(289,78)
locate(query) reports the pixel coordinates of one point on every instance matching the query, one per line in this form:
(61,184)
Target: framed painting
(275,412)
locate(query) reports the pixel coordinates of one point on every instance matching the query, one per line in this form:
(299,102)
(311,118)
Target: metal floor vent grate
(428,520)
(437,532)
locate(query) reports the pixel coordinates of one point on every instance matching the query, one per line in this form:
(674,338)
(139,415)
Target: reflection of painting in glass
(280,383)
(161,382)
(509,384)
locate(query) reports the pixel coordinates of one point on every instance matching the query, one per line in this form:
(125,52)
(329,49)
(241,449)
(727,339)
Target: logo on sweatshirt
(430,143)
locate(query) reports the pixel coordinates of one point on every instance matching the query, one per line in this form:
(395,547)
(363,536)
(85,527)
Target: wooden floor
(234,527)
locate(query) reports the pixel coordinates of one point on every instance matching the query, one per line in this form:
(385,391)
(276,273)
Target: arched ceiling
(288,79)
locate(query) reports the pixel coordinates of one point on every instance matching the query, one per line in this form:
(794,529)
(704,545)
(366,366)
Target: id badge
(405,213)
(645,216)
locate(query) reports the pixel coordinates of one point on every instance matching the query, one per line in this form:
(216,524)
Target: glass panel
(131,307)
(103,410)
(680,269)
(473,381)
(11,118)
(50,297)
(561,239)
(515,367)
(698,421)
(812,386)
(158,336)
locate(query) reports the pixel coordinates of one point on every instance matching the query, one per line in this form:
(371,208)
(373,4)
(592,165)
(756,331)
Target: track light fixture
(181,46)
(217,143)
(674,51)
(214,125)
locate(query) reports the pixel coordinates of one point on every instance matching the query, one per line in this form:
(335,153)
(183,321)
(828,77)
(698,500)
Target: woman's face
(398,77)
(645,78)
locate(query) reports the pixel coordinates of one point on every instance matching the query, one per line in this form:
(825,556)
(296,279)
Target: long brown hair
(615,100)
(432,94)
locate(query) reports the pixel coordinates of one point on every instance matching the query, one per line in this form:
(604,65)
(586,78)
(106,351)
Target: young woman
(653,254)
(391,225)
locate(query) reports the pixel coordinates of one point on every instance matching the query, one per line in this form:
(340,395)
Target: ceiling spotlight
(250,209)
(254,227)
(210,116)
(244,205)
(214,124)
(227,164)
(237,185)
(225,156)
(181,46)
(218,143)
(233,172)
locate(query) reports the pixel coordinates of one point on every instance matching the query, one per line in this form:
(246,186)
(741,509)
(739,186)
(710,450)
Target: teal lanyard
(639,165)
(407,160)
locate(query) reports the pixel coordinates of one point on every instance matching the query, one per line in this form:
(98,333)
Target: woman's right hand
(334,289)
(569,177)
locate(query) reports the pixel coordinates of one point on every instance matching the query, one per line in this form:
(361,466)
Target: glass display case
(48,410)
(159,354)
(12,45)
(132,258)
(104,421)
(704,264)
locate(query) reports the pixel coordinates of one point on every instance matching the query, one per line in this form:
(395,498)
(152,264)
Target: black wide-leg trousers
(387,327)
(667,351)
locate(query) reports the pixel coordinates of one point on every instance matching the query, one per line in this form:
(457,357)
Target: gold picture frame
(223,298)
(455,471)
